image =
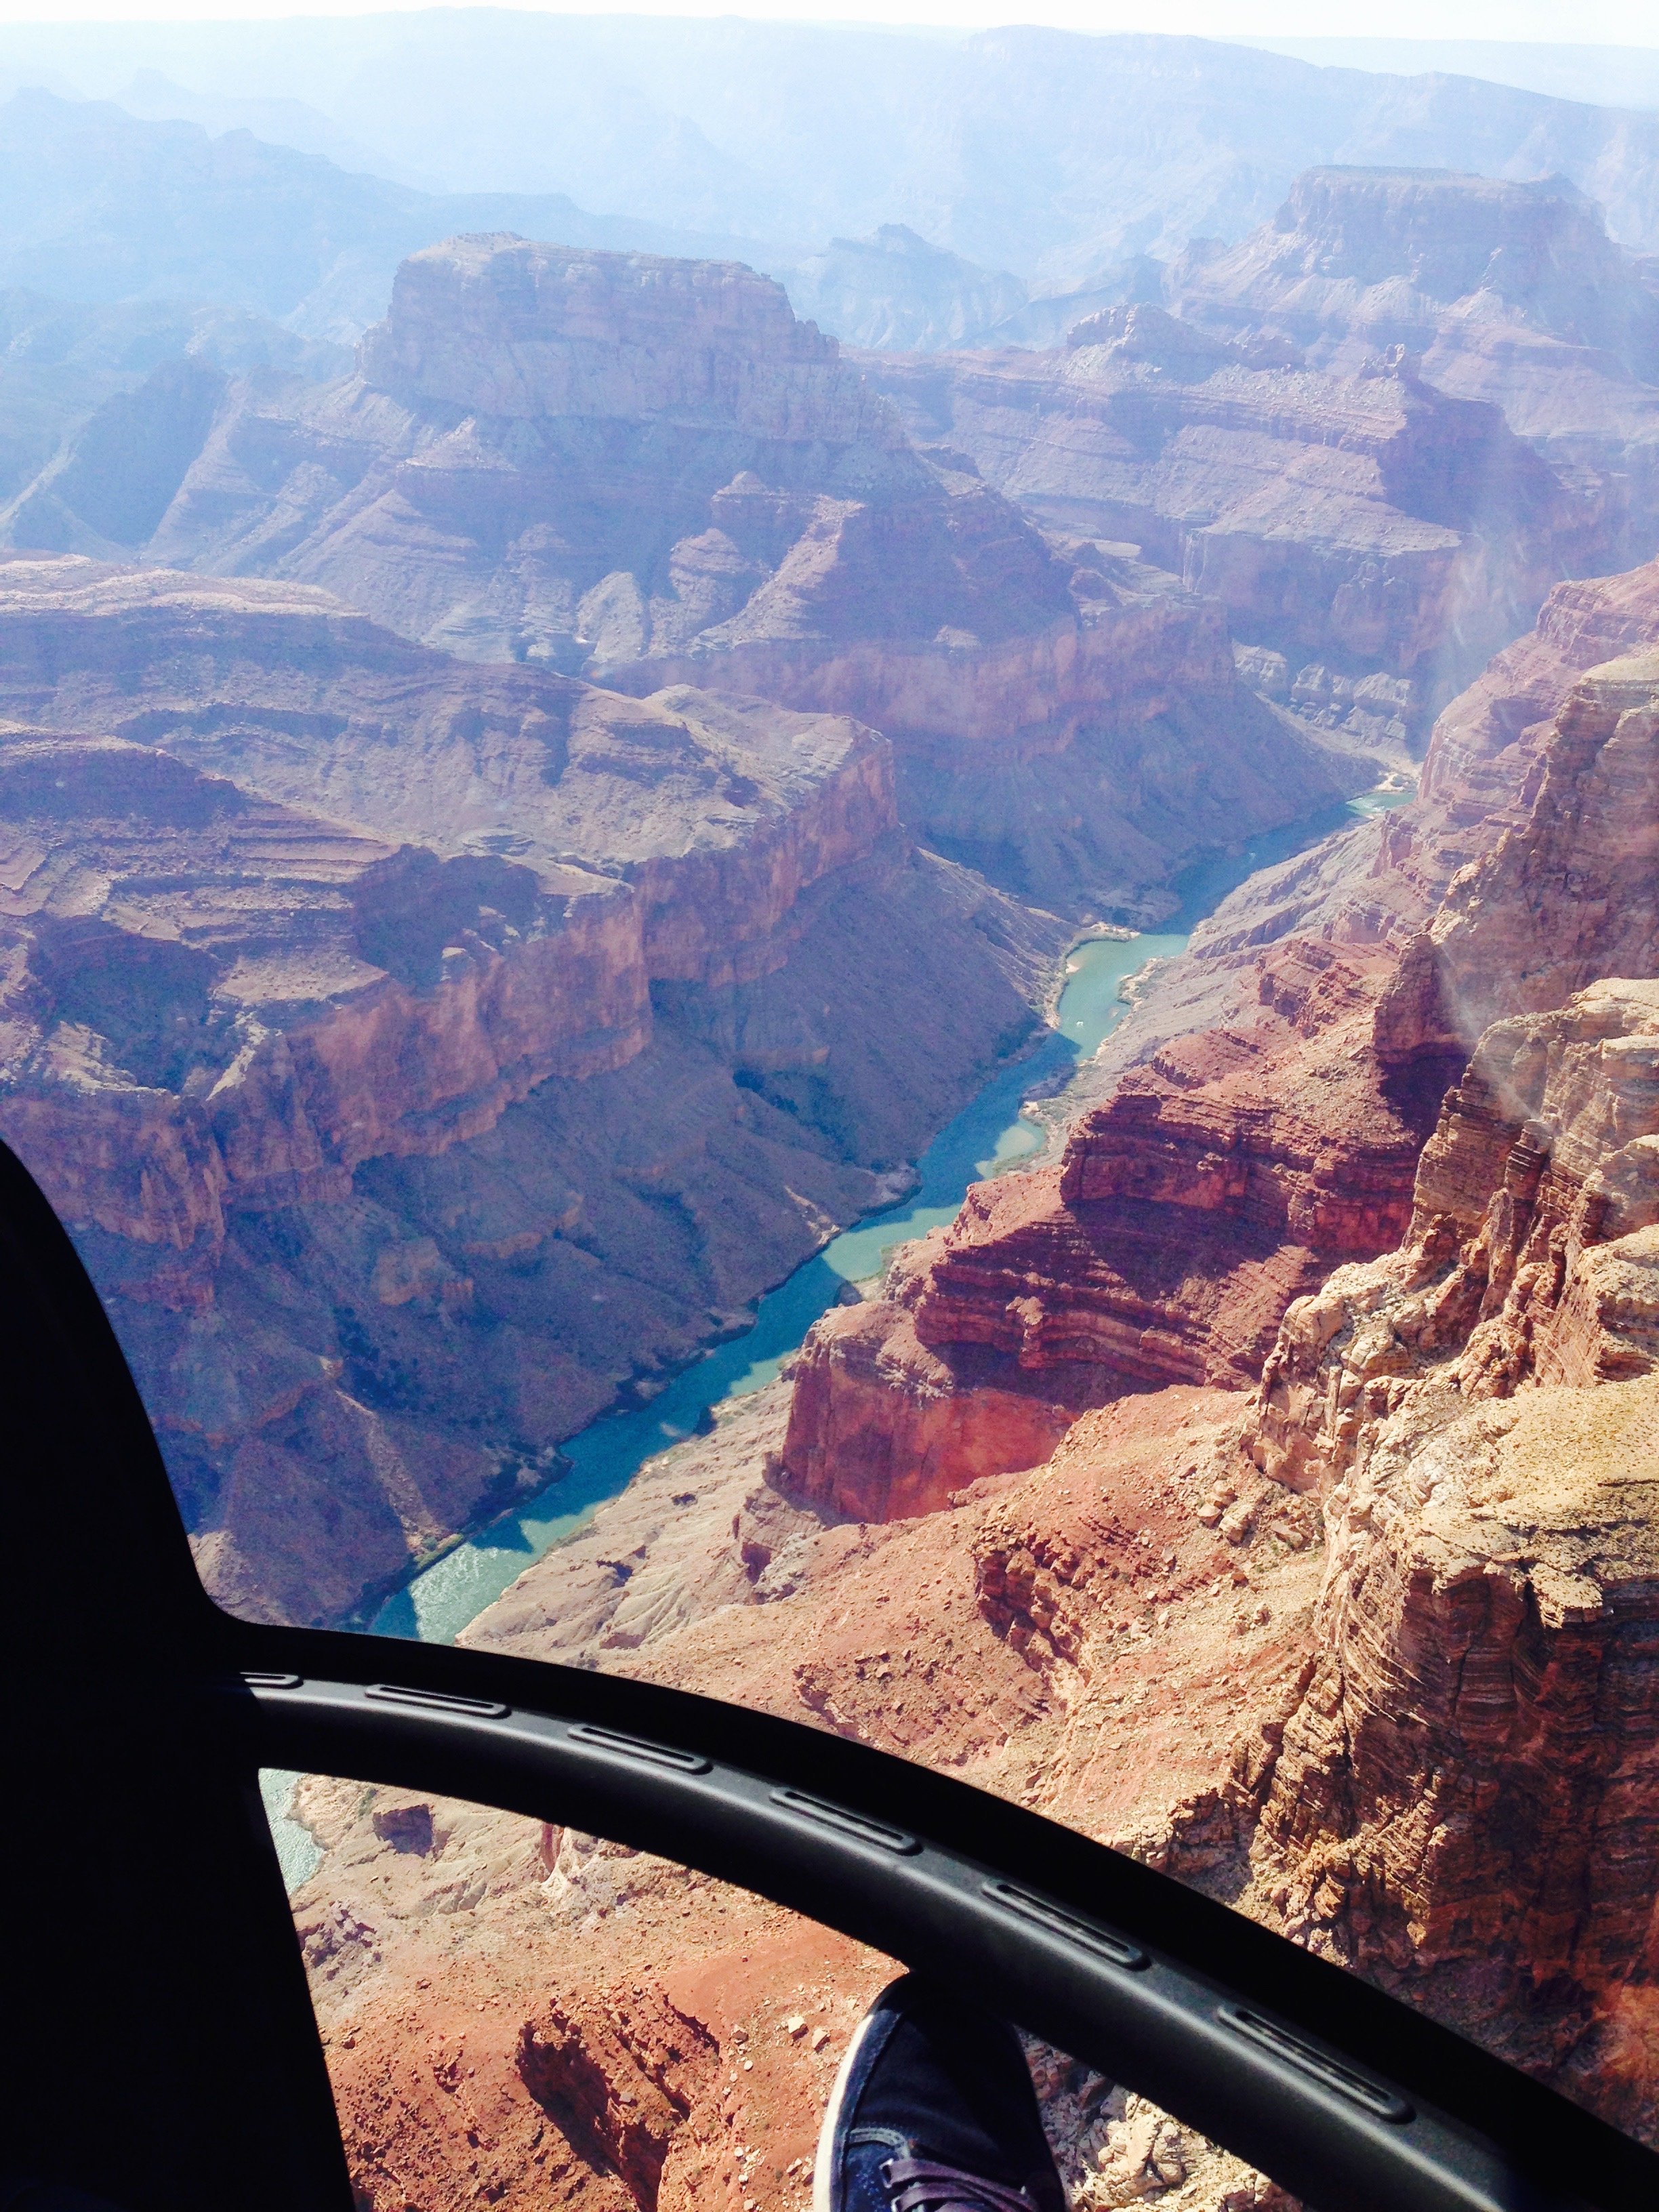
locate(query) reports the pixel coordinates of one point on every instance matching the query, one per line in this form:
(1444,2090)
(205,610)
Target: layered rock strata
(1260,1116)
(1567,895)
(403,1137)
(1461,1801)
(1373,540)
(1226,1174)
(1503,292)
(649,471)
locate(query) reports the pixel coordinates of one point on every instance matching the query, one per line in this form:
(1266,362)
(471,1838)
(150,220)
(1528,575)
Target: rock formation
(1226,1174)
(1461,1801)
(1373,540)
(402,1137)
(1509,293)
(1457,1796)
(1564,897)
(1228,1167)
(894,289)
(61,362)
(649,471)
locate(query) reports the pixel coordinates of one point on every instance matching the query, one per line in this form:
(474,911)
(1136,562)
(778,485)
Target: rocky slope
(1372,540)
(61,362)
(1508,293)
(1461,1802)
(1362,1649)
(649,471)
(498,2001)
(423,1053)
(1262,1115)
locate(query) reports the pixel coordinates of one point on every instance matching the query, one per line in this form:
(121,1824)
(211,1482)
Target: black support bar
(1240,2055)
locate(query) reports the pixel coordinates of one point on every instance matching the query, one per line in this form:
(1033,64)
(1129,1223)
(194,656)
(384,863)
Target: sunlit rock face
(1565,896)
(423,1053)
(1225,1174)
(1462,1801)
(587,460)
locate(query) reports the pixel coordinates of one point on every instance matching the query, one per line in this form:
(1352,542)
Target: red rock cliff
(403,1139)
(1463,1802)
(1229,1168)
(1223,1176)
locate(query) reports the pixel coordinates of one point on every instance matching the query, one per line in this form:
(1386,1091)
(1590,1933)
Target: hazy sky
(1620,22)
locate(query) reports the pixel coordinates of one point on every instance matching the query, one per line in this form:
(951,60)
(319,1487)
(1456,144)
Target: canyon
(514,834)
(1358,1642)
(401,1142)
(647,473)
(1274,1129)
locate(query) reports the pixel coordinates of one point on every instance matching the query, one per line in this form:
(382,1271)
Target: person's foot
(934,2111)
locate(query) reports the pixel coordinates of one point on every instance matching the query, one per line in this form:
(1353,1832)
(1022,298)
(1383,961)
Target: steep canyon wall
(646,471)
(404,1134)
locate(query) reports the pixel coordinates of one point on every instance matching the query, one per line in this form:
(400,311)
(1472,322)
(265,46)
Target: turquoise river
(987,1136)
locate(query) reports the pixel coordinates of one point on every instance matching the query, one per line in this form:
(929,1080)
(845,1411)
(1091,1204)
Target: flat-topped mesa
(646,473)
(261,1000)
(498,326)
(368,996)
(605,893)
(1381,249)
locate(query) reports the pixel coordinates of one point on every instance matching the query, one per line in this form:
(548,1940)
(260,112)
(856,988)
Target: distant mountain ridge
(98,206)
(1050,154)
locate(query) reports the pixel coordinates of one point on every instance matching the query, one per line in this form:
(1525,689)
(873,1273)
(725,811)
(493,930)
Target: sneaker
(934,2111)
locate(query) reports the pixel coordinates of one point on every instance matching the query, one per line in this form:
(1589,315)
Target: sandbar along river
(987,1136)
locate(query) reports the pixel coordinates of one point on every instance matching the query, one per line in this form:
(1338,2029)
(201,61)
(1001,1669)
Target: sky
(1608,22)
